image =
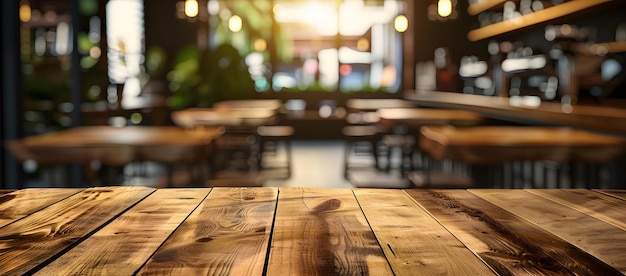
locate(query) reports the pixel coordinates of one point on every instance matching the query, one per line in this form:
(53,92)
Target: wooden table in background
(416,117)
(310,231)
(116,145)
(248,104)
(519,143)
(366,105)
(252,117)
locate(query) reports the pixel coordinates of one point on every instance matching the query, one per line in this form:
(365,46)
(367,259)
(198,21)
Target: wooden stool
(488,145)
(275,134)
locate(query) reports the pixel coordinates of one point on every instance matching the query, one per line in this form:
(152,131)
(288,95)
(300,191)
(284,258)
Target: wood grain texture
(34,240)
(606,208)
(21,203)
(323,232)
(228,234)
(413,241)
(603,240)
(312,231)
(510,245)
(124,245)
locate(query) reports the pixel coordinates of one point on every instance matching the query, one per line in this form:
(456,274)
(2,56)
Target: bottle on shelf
(529,73)
(446,71)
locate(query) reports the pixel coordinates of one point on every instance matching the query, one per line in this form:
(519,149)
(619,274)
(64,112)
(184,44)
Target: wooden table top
(427,116)
(114,143)
(312,231)
(489,144)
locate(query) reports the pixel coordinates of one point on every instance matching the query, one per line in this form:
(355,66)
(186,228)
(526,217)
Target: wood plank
(323,232)
(603,207)
(615,193)
(35,240)
(228,234)
(603,240)
(21,203)
(509,244)
(125,244)
(413,241)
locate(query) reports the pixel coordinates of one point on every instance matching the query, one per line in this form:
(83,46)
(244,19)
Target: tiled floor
(315,164)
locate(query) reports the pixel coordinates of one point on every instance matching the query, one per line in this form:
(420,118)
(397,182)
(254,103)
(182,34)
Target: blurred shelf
(485,5)
(551,13)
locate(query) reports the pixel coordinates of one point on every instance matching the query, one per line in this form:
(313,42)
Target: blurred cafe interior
(321,93)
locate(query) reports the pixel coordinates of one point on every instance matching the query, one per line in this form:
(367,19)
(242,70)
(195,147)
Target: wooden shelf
(535,18)
(485,5)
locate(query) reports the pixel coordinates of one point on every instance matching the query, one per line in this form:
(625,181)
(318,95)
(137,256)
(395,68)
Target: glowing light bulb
(401,23)
(25,12)
(260,45)
(191,8)
(362,44)
(235,23)
(444,8)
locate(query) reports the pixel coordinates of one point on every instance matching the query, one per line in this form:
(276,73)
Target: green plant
(201,79)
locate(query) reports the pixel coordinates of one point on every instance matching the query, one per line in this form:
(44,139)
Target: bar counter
(607,117)
(125,230)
